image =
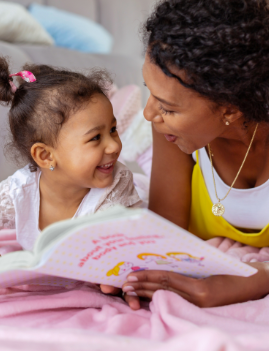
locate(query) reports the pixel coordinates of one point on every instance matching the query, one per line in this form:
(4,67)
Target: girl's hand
(132,301)
(213,291)
(107,289)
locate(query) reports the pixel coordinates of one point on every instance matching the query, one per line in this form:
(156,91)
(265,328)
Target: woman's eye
(97,137)
(164,111)
(113,129)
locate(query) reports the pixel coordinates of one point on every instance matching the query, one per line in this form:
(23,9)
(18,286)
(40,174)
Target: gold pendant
(218,209)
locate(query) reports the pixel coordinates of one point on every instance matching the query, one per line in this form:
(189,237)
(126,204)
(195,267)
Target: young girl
(62,123)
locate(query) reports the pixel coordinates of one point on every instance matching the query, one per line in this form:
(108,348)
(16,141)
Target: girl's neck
(60,193)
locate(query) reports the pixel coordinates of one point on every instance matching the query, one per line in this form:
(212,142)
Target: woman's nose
(151,113)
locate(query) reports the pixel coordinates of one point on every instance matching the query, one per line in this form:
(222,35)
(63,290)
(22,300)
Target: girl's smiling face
(88,146)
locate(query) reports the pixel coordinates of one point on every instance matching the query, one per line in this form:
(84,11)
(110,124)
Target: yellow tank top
(204,224)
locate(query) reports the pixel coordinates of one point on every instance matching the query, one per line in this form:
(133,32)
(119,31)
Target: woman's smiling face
(182,115)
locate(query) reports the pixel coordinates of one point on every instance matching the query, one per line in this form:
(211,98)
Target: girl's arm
(7,210)
(170,187)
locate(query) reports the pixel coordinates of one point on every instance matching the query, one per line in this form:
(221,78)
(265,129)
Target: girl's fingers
(107,289)
(133,302)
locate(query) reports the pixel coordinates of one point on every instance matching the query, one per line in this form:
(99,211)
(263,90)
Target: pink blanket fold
(82,318)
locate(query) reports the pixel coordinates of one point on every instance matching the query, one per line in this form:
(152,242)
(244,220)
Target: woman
(207,69)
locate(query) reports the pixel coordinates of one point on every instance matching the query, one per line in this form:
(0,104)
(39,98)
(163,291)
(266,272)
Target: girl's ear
(43,155)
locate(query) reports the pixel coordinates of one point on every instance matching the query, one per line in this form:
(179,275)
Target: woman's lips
(170,137)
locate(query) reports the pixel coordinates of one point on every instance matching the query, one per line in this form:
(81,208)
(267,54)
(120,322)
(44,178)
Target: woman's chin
(187,149)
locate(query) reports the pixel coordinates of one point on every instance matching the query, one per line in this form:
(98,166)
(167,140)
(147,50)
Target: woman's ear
(231,114)
(43,155)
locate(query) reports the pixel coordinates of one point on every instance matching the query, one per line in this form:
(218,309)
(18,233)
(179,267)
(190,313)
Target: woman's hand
(213,291)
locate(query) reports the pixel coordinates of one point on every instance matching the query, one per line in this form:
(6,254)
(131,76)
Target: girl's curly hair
(38,110)
(222,45)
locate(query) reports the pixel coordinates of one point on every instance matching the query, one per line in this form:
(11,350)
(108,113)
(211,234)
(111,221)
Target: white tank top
(244,208)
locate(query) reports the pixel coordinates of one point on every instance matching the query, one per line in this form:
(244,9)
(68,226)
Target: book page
(107,252)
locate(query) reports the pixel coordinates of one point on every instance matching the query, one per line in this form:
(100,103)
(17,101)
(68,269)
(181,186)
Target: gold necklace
(218,209)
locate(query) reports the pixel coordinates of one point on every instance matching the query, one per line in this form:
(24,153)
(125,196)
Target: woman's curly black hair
(222,45)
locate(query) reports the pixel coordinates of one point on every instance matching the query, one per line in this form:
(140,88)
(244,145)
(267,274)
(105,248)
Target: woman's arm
(217,290)
(170,196)
(170,187)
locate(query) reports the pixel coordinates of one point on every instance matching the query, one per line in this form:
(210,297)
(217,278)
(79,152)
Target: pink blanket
(39,318)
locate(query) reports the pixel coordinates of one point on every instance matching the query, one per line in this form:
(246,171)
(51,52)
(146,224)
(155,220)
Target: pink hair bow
(25,75)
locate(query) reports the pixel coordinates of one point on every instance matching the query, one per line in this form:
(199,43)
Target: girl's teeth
(107,166)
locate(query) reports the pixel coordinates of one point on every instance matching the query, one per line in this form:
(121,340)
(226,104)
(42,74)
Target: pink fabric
(145,161)
(33,317)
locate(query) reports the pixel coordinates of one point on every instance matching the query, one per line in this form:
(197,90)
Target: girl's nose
(151,112)
(113,146)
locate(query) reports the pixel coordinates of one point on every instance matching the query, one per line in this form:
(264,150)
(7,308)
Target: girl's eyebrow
(98,128)
(95,129)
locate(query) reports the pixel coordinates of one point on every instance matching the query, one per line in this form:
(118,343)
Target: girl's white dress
(20,201)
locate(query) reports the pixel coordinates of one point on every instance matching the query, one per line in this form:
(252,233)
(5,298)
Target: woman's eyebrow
(164,101)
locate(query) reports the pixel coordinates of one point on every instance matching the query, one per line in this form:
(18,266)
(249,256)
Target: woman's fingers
(147,289)
(107,289)
(145,283)
(165,281)
(212,291)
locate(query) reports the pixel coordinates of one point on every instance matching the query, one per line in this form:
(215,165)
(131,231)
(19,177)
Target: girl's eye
(97,137)
(164,111)
(113,130)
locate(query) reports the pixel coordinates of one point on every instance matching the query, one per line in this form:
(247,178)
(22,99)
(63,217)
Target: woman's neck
(239,131)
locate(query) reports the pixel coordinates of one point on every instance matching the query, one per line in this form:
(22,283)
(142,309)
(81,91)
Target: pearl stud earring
(227,123)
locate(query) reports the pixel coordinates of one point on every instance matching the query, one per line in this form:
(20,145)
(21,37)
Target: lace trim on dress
(121,192)
(7,209)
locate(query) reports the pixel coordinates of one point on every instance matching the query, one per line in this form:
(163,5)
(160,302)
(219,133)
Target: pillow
(135,132)
(18,26)
(72,31)
(126,104)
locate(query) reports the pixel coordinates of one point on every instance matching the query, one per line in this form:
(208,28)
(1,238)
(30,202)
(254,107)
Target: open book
(105,247)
